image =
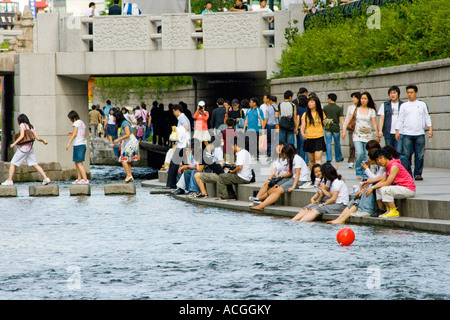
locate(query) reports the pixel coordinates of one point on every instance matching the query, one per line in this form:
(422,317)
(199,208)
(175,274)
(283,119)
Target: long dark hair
(289,151)
(313,177)
(119,117)
(329,173)
(370,103)
(22,118)
(318,110)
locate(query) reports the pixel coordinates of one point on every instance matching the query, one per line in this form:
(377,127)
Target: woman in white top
(300,174)
(362,205)
(279,171)
(78,137)
(25,151)
(365,114)
(337,194)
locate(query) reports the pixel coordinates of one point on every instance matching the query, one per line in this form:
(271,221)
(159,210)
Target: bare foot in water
(335,221)
(257,208)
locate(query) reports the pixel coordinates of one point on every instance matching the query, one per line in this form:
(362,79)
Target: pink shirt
(403,178)
(201,120)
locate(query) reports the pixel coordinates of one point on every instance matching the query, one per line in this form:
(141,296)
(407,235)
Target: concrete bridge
(46,72)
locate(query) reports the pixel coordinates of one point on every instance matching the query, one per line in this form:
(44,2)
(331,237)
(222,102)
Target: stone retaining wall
(432,79)
(26,174)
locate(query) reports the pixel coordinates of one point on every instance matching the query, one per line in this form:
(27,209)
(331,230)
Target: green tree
(118,89)
(411,31)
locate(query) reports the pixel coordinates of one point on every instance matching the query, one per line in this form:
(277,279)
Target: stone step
(120,189)
(417,207)
(80,190)
(8,191)
(51,190)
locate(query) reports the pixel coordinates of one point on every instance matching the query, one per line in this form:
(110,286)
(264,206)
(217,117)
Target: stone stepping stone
(120,189)
(50,190)
(80,190)
(8,191)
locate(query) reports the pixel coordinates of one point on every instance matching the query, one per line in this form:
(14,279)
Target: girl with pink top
(397,183)
(201,117)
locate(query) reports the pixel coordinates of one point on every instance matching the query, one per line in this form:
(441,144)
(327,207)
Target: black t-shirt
(115,10)
(244,6)
(235,114)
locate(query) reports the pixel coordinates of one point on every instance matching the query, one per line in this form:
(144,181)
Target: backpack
(287,122)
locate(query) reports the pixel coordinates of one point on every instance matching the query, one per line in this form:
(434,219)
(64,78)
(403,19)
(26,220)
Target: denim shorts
(79,152)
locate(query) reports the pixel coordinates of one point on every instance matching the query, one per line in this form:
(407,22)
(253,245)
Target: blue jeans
(329,136)
(191,184)
(360,156)
(271,131)
(287,137)
(301,153)
(367,204)
(414,145)
(390,140)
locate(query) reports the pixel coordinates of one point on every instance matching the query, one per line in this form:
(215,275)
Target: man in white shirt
(411,122)
(388,113)
(92,12)
(180,154)
(240,174)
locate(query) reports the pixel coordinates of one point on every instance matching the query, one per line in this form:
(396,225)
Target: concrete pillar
(7,115)
(47,99)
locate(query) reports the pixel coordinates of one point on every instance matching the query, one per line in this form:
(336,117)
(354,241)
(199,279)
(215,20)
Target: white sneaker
(8,183)
(76,181)
(360,214)
(46,181)
(351,165)
(82,181)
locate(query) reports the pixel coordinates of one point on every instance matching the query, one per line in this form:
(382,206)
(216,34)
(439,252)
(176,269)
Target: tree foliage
(118,89)
(410,32)
(197,6)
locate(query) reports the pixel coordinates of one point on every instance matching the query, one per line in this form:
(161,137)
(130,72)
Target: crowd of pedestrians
(219,146)
(296,134)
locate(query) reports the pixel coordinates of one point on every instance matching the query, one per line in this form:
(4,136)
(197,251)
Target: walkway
(429,210)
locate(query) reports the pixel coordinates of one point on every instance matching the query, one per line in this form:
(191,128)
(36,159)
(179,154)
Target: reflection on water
(155,247)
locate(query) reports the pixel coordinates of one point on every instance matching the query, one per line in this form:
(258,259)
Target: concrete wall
(47,99)
(432,79)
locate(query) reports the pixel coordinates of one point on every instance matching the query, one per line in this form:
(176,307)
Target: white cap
(201,103)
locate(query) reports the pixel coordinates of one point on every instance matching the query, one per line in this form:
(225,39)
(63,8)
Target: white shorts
(202,135)
(20,157)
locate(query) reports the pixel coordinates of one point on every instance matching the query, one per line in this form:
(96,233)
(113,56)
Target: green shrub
(410,32)
(118,89)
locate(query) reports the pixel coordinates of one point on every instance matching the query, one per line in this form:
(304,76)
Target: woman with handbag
(129,144)
(25,151)
(365,118)
(299,175)
(279,172)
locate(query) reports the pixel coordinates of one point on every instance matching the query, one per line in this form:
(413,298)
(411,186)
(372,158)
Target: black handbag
(273,181)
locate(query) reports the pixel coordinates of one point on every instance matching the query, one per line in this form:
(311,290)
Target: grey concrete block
(120,189)
(8,191)
(162,176)
(80,190)
(2,171)
(211,189)
(51,190)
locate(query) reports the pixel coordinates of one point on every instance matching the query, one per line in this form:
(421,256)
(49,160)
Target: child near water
(78,137)
(140,129)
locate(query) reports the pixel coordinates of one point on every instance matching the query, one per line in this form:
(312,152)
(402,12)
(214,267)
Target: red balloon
(345,237)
